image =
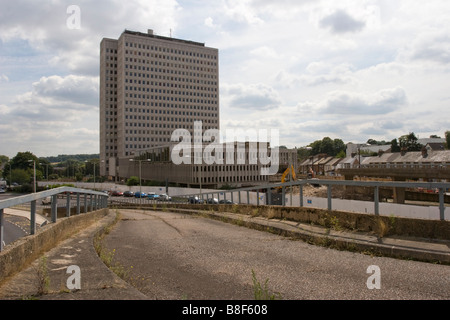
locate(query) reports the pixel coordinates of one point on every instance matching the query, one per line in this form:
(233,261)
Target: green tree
(3,160)
(72,167)
(394,146)
(21,176)
(409,142)
(447,138)
(89,167)
(328,146)
(342,154)
(133,181)
(375,142)
(24,161)
(338,146)
(47,168)
(303,153)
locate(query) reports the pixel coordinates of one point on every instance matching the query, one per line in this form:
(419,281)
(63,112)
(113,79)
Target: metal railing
(235,195)
(92,200)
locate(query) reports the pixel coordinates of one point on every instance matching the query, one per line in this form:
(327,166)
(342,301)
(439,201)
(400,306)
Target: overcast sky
(345,69)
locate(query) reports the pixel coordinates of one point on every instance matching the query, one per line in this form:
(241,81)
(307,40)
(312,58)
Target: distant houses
(414,160)
(433,156)
(366,149)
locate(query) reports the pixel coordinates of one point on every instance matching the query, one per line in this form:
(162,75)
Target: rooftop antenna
(171,33)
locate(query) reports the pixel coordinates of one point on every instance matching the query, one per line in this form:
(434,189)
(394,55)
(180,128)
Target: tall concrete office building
(151,85)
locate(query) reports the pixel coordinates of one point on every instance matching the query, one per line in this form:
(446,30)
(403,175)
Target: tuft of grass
(42,277)
(383,227)
(108,256)
(392,221)
(271,213)
(254,212)
(261,292)
(334,222)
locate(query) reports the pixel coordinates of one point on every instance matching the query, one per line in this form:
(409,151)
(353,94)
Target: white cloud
(348,69)
(251,97)
(319,73)
(209,22)
(78,89)
(264,52)
(341,22)
(429,45)
(382,102)
(52,116)
(77,50)
(241,11)
(4,109)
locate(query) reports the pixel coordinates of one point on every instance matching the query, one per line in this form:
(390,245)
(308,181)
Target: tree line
(21,168)
(337,148)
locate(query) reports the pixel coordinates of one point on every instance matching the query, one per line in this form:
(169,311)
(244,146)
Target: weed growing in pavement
(108,256)
(392,221)
(43,279)
(334,222)
(261,292)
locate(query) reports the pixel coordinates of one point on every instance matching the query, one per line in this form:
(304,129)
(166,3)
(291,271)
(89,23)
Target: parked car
(195,200)
(226,201)
(2,190)
(128,194)
(164,197)
(47,200)
(140,194)
(152,196)
(212,201)
(117,193)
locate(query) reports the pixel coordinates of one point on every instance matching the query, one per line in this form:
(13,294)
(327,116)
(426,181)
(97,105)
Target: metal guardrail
(97,200)
(441,186)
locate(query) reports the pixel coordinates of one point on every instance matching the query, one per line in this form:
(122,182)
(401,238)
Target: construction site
(373,169)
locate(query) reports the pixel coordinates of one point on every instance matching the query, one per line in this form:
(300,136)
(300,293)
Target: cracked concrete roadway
(179,256)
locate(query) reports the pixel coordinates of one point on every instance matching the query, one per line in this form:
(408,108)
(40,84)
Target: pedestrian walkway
(97,281)
(40,220)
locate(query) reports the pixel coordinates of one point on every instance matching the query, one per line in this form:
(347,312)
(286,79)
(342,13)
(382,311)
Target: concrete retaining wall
(379,225)
(22,252)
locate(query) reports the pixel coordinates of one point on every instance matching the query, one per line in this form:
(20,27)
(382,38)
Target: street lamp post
(200,179)
(46,169)
(34,174)
(10,175)
(94,171)
(199,174)
(140,177)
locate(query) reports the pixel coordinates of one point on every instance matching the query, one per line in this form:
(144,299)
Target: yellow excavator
(289,171)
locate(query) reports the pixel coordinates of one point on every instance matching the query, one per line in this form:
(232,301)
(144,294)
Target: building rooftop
(409,157)
(151,35)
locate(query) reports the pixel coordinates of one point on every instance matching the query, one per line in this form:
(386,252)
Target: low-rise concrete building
(233,167)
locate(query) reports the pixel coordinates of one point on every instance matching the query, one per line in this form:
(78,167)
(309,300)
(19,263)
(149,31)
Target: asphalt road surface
(176,256)
(13,226)
(13,229)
